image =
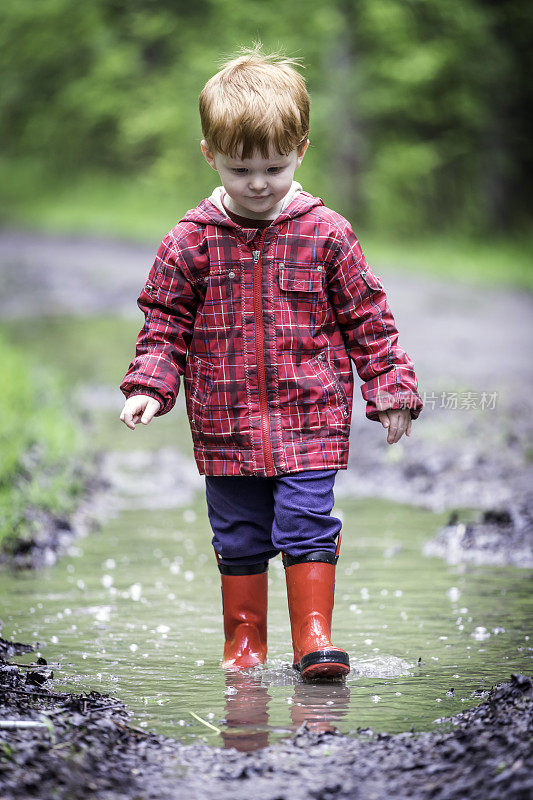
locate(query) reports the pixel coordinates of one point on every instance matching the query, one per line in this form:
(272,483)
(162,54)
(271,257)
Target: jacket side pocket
(341,391)
(198,388)
(336,406)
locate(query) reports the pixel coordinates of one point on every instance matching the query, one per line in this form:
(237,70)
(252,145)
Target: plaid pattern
(270,393)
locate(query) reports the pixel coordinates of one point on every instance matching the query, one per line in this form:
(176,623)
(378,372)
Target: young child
(259,298)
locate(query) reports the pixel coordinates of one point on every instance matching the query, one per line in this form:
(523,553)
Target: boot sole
(324,664)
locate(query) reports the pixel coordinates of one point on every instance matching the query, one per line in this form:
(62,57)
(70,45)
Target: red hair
(255,102)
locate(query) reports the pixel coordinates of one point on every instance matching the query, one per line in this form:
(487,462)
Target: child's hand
(139,408)
(398,421)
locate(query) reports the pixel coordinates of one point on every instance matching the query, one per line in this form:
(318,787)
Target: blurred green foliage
(41,443)
(419,107)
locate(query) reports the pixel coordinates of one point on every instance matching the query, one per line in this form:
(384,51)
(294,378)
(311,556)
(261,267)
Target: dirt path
(462,339)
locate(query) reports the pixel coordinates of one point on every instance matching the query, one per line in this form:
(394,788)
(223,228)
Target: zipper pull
(256,254)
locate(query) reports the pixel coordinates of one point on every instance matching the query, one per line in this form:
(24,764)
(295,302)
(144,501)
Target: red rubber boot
(310,591)
(244,605)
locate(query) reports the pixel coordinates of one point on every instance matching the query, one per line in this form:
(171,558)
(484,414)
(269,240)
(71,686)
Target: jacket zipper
(261,375)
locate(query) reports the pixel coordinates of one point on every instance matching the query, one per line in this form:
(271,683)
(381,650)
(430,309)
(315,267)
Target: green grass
(96,351)
(42,445)
(502,261)
(143,209)
(99,204)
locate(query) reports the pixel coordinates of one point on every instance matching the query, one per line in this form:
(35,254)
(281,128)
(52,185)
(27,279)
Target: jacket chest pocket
(300,278)
(302,293)
(223,297)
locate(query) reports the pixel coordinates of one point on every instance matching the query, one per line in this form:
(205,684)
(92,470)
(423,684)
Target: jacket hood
(211,211)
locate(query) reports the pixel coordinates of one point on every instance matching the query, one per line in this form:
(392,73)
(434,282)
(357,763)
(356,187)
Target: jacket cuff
(410,400)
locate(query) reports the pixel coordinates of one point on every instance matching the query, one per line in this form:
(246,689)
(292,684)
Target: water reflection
(320,705)
(247,701)
(246,723)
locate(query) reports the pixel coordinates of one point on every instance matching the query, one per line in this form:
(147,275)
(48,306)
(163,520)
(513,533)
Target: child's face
(256,185)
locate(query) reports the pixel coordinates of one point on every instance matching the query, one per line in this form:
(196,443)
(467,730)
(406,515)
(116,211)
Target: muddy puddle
(135,609)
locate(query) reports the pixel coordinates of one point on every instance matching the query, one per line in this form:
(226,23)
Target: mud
(60,745)
(502,536)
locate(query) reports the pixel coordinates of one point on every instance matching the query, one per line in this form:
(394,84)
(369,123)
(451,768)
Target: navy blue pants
(254,518)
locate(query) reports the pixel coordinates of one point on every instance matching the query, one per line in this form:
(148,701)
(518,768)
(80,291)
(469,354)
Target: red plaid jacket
(261,325)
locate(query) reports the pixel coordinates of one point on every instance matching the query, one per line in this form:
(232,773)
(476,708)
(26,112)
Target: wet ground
(57,745)
(134,609)
(120,609)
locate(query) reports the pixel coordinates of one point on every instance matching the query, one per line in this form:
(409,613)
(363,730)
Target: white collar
(218,194)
